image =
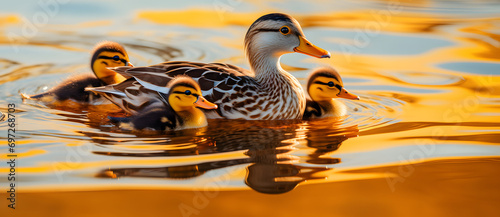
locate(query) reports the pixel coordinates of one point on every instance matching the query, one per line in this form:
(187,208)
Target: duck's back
(233,88)
(223,84)
(213,78)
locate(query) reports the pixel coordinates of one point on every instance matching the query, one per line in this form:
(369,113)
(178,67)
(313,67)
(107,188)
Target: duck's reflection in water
(273,168)
(325,136)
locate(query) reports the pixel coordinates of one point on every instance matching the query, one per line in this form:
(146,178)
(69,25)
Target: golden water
(422,141)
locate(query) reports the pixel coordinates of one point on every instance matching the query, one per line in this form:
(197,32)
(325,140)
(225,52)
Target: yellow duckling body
(323,86)
(179,111)
(105,54)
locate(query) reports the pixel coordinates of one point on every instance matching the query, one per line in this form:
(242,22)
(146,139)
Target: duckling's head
(108,54)
(277,34)
(185,95)
(325,83)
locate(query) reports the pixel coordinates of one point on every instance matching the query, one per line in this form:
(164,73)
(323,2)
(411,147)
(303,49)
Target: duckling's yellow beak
(204,103)
(344,94)
(310,49)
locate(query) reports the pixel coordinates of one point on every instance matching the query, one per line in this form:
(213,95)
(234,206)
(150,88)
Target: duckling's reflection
(272,165)
(325,136)
(176,172)
(173,143)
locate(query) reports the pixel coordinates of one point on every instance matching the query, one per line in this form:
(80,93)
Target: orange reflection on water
(409,100)
(6,20)
(29,153)
(198,18)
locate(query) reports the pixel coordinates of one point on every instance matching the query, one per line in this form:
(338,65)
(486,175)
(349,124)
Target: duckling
(179,111)
(323,86)
(105,54)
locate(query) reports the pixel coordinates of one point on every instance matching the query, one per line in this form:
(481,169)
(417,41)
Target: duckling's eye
(116,58)
(285,30)
(330,84)
(187,92)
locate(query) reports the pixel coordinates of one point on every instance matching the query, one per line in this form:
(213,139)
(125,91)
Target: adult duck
(105,54)
(266,92)
(324,85)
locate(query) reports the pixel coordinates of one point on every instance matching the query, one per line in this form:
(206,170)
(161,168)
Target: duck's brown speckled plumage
(233,88)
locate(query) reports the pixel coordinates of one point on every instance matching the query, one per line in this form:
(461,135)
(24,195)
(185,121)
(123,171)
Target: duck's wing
(216,80)
(122,70)
(223,84)
(130,95)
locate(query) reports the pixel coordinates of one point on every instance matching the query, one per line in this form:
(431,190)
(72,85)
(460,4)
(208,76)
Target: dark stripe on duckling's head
(182,80)
(185,93)
(109,46)
(328,72)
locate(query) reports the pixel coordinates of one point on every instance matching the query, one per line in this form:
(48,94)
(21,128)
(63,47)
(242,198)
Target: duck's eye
(116,58)
(285,30)
(330,84)
(187,92)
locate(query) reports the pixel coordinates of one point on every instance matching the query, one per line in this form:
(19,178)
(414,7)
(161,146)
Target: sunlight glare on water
(422,141)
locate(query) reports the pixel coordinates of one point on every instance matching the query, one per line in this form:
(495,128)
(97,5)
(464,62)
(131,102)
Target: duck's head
(325,83)
(185,95)
(275,34)
(108,54)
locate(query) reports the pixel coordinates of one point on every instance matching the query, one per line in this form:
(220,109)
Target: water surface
(422,141)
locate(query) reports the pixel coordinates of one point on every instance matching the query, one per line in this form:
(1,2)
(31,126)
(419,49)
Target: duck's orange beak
(310,49)
(204,103)
(344,94)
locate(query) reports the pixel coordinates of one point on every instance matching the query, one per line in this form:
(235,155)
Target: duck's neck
(332,108)
(279,85)
(193,118)
(112,79)
(265,66)
(269,74)
(108,76)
